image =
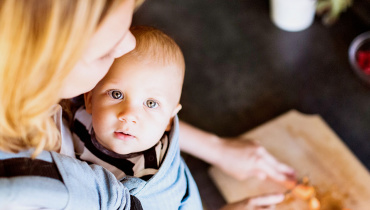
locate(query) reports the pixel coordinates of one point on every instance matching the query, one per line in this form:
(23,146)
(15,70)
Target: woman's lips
(124,136)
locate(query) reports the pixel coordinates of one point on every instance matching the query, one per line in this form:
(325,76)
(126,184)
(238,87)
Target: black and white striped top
(142,164)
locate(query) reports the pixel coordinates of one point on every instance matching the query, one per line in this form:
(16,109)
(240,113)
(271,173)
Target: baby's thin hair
(154,45)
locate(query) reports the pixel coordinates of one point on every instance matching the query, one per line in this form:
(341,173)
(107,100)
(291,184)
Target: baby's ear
(88,97)
(175,111)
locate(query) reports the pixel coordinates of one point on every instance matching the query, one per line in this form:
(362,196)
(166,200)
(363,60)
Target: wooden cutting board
(306,143)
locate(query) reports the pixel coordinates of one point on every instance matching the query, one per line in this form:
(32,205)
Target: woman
(59,49)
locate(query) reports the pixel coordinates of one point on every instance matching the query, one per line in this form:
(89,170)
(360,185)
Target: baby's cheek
(158,133)
(99,124)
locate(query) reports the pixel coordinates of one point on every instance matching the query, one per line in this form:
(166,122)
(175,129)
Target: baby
(129,124)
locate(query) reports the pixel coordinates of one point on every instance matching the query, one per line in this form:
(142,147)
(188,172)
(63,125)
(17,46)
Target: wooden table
(306,143)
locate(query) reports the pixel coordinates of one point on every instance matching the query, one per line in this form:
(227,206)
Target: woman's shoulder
(30,182)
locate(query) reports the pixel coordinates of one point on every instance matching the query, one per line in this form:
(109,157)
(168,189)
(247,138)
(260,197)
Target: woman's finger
(266,200)
(261,175)
(274,162)
(274,169)
(269,170)
(272,207)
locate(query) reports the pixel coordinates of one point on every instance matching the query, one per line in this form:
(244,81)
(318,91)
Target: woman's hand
(241,158)
(237,157)
(256,203)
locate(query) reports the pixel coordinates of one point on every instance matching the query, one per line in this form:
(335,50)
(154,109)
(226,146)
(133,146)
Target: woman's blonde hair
(40,43)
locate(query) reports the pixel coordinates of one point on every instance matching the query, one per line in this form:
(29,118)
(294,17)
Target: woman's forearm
(201,144)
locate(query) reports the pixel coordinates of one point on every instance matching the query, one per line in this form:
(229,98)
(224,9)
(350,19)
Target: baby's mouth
(124,136)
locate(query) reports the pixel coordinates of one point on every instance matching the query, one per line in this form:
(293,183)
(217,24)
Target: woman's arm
(236,157)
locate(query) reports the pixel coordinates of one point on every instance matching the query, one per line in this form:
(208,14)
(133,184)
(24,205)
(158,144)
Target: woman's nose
(127,44)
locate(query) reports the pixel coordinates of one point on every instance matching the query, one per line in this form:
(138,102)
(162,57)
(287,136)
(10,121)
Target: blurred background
(242,70)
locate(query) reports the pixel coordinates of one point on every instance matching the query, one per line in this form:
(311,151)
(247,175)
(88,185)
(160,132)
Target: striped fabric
(142,164)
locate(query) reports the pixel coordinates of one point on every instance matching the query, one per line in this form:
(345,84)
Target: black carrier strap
(32,167)
(135,203)
(28,167)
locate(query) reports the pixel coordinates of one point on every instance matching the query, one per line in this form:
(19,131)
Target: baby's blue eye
(151,104)
(115,94)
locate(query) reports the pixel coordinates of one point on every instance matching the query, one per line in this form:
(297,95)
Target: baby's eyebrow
(113,81)
(109,86)
(159,97)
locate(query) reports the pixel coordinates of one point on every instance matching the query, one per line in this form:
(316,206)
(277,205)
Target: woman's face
(110,41)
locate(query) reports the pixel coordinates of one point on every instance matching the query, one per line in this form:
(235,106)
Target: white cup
(292,15)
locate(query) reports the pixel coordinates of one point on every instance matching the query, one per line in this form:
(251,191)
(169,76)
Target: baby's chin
(114,149)
(125,151)
(128,151)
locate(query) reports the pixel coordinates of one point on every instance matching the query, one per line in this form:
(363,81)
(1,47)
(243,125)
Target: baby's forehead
(163,67)
(147,68)
(173,67)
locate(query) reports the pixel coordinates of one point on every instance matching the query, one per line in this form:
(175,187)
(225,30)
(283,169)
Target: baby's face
(134,104)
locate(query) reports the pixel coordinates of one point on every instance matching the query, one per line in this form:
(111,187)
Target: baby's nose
(127,119)
(128,114)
